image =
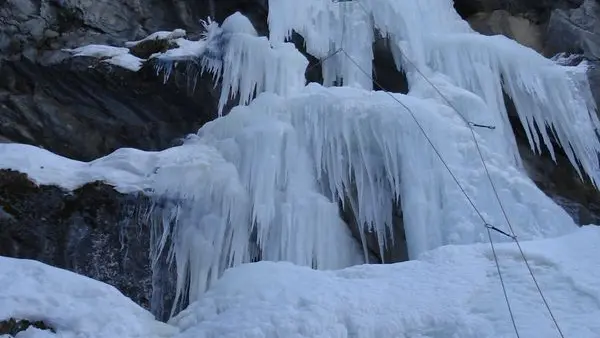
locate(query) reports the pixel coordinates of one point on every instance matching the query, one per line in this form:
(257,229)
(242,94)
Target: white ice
(160,35)
(118,56)
(74,305)
(431,36)
(453,291)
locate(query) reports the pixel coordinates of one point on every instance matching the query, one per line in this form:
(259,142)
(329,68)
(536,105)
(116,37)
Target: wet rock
(93,231)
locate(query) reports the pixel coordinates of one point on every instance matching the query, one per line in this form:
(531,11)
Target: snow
(98,51)
(160,35)
(117,56)
(453,291)
(129,170)
(127,61)
(75,306)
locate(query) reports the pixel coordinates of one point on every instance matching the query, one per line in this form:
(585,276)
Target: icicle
(328,27)
(245,63)
(369,142)
(206,229)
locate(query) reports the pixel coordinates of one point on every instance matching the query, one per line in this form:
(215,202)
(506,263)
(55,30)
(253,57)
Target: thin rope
(497,196)
(512,316)
(439,155)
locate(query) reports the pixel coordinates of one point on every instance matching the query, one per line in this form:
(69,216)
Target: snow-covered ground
(74,305)
(453,291)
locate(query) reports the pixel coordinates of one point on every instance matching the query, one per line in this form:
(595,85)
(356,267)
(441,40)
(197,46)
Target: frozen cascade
(246,64)
(434,38)
(247,195)
(283,162)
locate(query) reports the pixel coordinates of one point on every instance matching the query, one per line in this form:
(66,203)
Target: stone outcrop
(94,231)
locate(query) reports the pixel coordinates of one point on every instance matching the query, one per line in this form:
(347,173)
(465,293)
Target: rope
(497,196)
(439,155)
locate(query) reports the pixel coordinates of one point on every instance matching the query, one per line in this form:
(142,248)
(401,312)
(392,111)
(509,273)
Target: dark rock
(12,326)
(84,109)
(94,231)
(575,31)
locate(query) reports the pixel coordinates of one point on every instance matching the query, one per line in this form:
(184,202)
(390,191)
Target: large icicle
(245,63)
(328,27)
(249,193)
(291,220)
(546,95)
(200,218)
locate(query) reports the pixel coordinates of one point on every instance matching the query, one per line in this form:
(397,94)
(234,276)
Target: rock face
(94,231)
(83,108)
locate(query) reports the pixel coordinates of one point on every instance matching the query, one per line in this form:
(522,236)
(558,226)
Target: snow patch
(453,291)
(160,35)
(74,305)
(117,56)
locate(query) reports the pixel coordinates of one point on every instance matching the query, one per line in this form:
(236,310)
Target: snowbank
(127,169)
(74,305)
(453,291)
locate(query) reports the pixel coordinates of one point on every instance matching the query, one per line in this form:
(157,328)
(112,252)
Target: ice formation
(324,145)
(449,292)
(265,181)
(245,63)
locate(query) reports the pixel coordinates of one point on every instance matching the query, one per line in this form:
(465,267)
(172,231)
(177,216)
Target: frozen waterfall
(280,165)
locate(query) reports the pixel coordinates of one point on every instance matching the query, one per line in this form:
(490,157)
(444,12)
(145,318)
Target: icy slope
(74,305)
(452,291)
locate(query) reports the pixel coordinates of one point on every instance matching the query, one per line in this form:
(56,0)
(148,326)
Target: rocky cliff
(83,108)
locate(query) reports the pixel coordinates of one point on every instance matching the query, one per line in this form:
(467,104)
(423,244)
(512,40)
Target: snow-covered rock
(74,305)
